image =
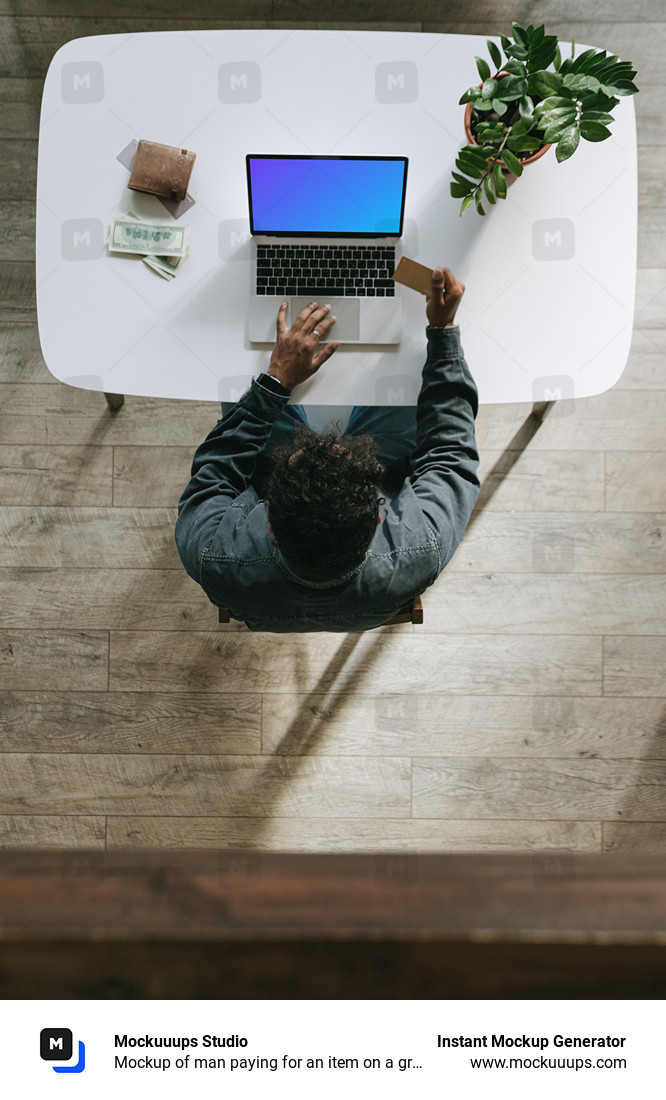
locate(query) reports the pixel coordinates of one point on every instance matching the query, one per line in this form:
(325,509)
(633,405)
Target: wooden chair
(412,613)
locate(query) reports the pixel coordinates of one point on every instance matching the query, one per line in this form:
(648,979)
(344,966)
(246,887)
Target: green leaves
(619,87)
(567,144)
(526,109)
(488,188)
(541,98)
(483,177)
(512,162)
(458,190)
(495,55)
(499,181)
(471,168)
(559,115)
(593,131)
(473,160)
(553,133)
(515,68)
(490,132)
(483,67)
(579,83)
(510,87)
(598,101)
(553,101)
(523,144)
(582,63)
(519,51)
(596,116)
(612,76)
(545,84)
(541,54)
(532,46)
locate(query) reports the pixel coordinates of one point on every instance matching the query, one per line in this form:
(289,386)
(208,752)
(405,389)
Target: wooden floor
(529,710)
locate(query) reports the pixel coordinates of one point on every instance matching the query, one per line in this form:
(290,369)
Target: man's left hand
(294,359)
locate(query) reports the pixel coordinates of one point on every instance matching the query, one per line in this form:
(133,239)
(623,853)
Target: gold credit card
(415,276)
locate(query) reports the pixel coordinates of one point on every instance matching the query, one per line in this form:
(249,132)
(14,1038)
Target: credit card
(415,276)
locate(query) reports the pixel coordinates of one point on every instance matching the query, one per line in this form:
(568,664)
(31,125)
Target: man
(320,549)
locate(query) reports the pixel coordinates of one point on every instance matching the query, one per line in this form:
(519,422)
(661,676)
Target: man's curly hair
(323,502)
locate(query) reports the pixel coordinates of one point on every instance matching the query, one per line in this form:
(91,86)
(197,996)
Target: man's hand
(294,359)
(443,301)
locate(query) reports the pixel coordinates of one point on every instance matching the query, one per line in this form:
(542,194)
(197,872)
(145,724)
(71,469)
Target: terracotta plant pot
(471,140)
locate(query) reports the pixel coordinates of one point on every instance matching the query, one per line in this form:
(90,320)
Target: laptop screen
(326,196)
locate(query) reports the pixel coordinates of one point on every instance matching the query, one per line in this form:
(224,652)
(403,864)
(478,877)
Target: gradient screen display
(326,195)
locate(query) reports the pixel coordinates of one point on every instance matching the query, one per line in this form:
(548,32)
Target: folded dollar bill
(161,247)
(166,266)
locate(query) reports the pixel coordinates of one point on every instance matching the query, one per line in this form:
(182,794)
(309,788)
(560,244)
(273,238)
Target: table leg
(115,400)
(539,408)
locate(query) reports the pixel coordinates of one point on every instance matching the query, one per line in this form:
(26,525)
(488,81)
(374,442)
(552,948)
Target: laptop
(325,229)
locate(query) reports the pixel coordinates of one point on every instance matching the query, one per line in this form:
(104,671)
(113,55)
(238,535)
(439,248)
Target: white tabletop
(550,272)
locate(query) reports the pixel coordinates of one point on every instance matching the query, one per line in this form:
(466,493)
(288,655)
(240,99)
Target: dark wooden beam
(211,895)
(336,970)
(239,924)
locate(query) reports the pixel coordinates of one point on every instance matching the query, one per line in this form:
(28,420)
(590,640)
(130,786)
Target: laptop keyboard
(335,271)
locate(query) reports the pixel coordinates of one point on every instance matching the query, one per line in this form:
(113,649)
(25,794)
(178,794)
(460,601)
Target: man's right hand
(297,353)
(444,299)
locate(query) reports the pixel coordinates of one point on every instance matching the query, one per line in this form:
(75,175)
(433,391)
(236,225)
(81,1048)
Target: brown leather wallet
(162,170)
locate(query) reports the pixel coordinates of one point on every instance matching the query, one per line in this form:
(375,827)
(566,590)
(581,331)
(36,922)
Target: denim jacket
(222,528)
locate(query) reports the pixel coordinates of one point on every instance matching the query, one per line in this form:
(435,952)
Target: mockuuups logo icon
(553,552)
(396,82)
(239,82)
(233,239)
(553,239)
(398,389)
(56,1044)
(82,82)
(555,387)
(82,239)
(231,389)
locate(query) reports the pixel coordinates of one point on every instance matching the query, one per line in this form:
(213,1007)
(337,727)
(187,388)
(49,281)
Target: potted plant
(513,117)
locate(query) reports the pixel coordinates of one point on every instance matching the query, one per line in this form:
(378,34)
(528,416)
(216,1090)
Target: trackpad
(347,311)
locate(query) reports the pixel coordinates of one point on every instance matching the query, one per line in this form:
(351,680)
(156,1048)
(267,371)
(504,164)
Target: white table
(550,272)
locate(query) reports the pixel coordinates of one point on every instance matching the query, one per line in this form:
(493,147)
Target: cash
(161,247)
